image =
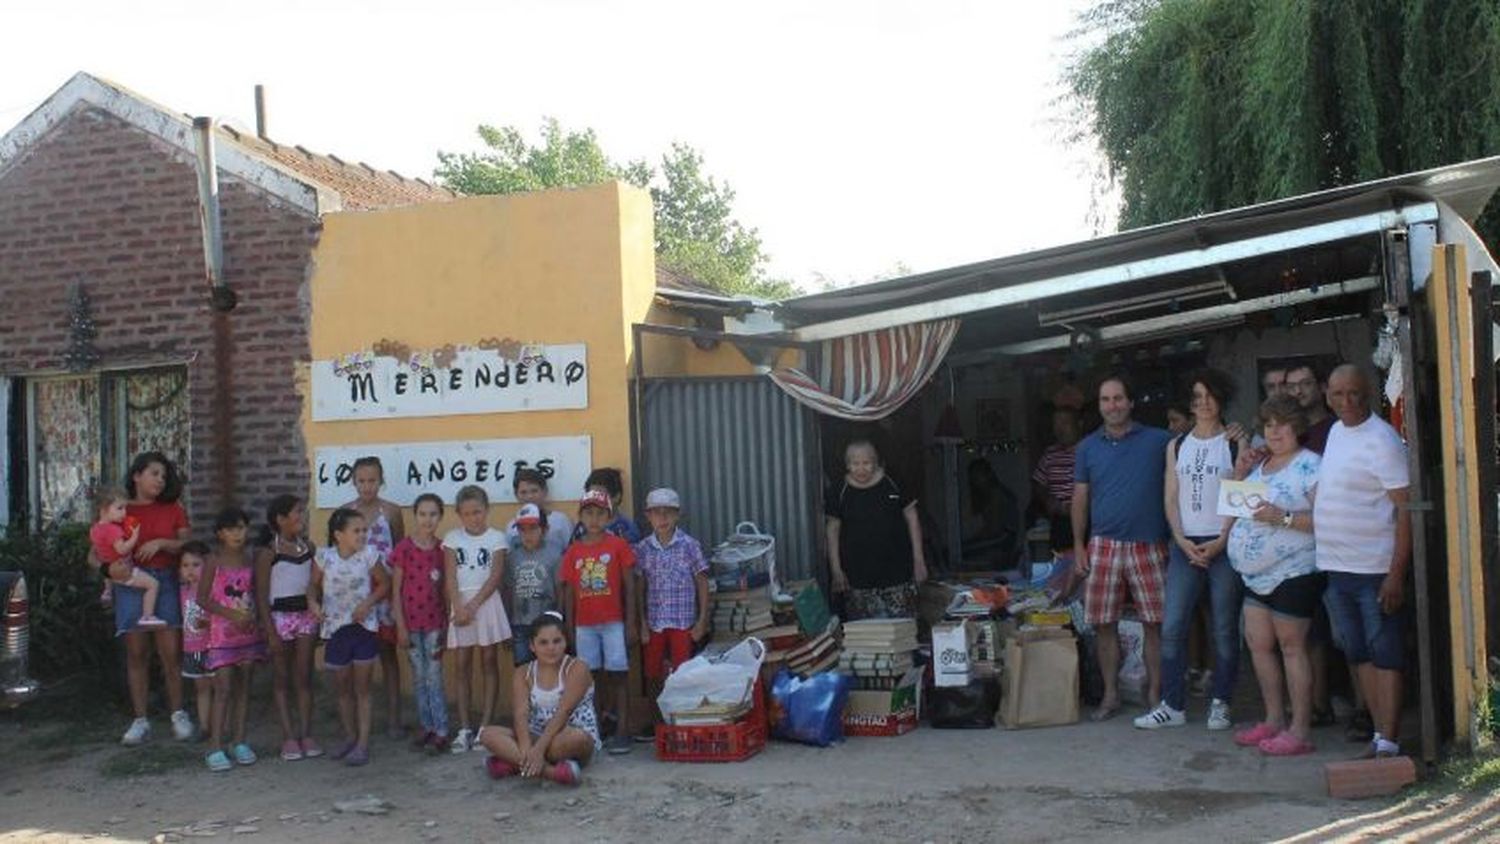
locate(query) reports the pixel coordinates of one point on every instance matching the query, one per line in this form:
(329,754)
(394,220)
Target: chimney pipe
(222,298)
(260,113)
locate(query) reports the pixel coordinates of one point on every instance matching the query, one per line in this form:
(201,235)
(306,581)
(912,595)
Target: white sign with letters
(369,386)
(446,467)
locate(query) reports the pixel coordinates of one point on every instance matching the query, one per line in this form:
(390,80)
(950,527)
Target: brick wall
(99,201)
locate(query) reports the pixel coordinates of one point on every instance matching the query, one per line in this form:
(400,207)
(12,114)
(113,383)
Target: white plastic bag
(1132,678)
(746,559)
(725,680)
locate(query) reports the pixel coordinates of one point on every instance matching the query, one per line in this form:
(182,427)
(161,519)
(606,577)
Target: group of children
(375,589)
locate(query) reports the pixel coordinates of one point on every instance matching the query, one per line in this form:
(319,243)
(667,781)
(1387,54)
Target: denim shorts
(520,643)
(602,646)
(1361,630)
(128,601)
(352,643)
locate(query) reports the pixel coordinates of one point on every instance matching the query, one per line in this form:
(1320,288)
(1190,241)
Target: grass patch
(1465,774)
(149,760)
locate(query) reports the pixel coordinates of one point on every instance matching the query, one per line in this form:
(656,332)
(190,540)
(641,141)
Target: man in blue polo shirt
(1120,533)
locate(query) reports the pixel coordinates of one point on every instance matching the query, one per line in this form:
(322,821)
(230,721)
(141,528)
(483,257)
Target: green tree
(1202,105)
(697,234)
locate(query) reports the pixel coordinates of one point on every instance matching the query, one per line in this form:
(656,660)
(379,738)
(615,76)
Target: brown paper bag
(1040,688)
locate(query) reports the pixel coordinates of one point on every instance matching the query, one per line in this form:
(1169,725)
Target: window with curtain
(85,429)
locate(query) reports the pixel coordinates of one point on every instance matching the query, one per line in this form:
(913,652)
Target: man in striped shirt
(1364,543)
(1052,482)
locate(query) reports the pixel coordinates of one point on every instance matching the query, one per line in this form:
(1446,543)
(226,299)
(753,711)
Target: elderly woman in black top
(874,539)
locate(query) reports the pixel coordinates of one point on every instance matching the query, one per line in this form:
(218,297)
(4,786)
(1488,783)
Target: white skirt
(488,627)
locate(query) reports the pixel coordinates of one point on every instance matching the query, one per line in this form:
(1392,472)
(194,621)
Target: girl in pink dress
(235,643)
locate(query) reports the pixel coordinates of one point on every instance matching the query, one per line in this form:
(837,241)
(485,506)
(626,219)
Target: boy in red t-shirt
(598,594)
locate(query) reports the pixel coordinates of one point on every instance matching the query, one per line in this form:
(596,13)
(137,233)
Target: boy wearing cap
(598,597)
(674,612)
(612,482)
(530,584)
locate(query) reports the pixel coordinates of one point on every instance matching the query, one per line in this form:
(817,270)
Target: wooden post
(1453,316)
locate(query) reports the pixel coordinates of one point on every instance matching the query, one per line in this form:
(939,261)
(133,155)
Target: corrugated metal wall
(737,449)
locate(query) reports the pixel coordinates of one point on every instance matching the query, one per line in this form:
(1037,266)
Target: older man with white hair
(1364,543)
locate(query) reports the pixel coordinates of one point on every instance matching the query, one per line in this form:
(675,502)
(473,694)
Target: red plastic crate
(716,742)
(894,724)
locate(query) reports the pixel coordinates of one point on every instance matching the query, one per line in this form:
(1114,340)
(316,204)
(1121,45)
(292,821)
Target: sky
(860,137)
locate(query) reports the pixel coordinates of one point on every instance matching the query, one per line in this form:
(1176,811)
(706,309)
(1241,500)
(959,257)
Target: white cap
(663,497)
(529,514)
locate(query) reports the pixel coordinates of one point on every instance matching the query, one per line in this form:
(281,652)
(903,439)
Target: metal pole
(260,112)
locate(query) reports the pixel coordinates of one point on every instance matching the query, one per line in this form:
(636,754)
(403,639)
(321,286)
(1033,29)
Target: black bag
(970,707)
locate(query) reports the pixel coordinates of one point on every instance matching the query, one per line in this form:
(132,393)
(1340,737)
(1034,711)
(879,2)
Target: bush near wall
(70,632)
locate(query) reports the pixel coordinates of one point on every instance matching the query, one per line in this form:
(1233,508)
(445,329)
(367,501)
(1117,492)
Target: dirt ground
(1089,782)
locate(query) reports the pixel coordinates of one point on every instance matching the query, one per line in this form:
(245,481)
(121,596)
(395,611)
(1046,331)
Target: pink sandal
(1286,744)
(1253,736)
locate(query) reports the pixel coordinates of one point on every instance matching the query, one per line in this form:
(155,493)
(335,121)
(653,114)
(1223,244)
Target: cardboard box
(873,703)
(1039,686)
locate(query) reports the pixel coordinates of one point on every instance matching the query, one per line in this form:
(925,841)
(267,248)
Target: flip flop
(1104,713)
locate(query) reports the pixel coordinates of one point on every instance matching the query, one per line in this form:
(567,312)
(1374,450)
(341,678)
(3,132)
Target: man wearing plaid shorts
(1120,532)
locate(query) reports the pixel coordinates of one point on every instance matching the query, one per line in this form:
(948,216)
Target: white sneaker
(1218,715)
(182,726)
(140,730)
(463,742)
(1161,716)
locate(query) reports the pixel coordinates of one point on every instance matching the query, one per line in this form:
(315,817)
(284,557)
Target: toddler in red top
(113,537)
(599,595)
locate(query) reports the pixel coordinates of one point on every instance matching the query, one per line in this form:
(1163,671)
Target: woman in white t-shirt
(1196,462)
(1275,554)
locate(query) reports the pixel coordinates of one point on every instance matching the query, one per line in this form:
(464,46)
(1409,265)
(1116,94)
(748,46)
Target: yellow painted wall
(562,266)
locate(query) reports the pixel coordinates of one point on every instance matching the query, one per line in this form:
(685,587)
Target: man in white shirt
(1364,543)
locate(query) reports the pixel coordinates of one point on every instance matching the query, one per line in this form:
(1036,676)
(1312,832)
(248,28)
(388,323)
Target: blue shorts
(352,643)
(128,601)
(602,646)
(1360,629)
(520,643)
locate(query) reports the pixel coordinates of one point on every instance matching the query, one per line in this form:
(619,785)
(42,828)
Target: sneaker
(464,741)
(647,735)
(243,754)
(310,748)
(1285,744)
(566,772)
(137,733)
(360,755)
(182,726)
(1218,715)
(150,621)
(498,768)
(1253,736)
(344,750)
(619,745)
(1161,716)
(291,750)
(1385,748)
(218,762)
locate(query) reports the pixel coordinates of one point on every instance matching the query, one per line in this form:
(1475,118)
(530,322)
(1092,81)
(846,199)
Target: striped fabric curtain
(868,376)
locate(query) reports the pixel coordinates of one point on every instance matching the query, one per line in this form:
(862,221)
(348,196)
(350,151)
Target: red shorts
(674,641)
(1116,566)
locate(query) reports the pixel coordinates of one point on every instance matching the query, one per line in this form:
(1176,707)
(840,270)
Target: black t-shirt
(1315,439)
(874,543)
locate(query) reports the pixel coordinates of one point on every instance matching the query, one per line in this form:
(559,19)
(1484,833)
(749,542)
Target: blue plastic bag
(810,711)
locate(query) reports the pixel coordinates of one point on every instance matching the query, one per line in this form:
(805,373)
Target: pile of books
(816,653)
(741,612)
(878,652)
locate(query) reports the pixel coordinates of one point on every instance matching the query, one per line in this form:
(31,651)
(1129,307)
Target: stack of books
(817,653)
(878,652)
(741,613)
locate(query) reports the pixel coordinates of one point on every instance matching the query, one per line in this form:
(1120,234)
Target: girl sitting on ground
(553,696)
(347,583)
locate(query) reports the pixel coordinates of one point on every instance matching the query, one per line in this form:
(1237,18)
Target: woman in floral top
(1275,554)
